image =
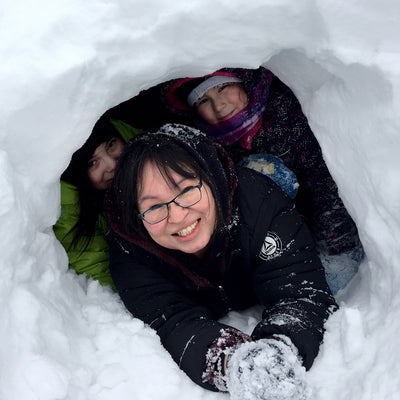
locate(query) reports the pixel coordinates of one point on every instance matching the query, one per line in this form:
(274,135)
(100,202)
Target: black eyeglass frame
(142,215)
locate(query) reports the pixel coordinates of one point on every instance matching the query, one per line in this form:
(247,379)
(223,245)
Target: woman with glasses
(195,237)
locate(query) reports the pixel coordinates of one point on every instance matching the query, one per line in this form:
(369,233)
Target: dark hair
(90,199)
(168,155)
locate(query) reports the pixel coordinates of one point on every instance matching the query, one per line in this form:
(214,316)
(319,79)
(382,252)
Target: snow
(267,369)
(65,62)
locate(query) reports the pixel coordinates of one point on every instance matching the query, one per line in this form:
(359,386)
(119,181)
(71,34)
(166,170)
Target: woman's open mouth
(188,230)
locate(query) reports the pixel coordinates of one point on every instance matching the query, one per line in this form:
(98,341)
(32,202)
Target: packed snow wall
(64,63)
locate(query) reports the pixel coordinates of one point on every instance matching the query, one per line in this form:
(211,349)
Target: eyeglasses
(187,198)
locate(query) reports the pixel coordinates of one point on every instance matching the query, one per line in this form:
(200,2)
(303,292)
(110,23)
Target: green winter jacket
(94,259)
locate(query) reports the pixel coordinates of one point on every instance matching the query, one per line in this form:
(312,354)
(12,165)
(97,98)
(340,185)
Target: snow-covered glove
(274,168)
(341,268)
(267,369)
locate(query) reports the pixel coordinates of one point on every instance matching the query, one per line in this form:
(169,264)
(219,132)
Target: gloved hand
(267,369)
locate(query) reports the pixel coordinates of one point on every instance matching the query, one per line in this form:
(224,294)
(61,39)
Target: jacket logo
(272,246)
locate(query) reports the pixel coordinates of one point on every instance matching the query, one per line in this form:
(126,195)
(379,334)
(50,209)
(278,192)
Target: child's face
(222,102)
(101,166)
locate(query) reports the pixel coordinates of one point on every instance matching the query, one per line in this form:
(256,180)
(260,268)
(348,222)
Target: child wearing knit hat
(252,113)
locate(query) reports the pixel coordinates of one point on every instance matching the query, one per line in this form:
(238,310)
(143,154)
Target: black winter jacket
(270,260)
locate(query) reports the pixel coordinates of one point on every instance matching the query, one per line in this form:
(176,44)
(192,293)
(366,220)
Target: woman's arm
(151,293)
(321,204)
(288,276)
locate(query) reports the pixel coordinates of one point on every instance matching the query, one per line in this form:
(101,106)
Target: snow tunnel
(65,63)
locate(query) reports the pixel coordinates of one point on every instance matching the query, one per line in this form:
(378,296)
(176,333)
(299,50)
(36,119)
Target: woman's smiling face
(186,229)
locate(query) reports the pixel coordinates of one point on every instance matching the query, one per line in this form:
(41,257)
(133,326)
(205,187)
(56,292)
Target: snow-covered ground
(64,62)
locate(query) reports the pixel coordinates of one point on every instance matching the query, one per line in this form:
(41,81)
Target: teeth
(188,230)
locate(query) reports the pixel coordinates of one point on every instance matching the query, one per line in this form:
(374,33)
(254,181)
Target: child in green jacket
(81,228)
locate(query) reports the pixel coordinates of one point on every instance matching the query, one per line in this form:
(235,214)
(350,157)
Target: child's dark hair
(90,199)
(169,157)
